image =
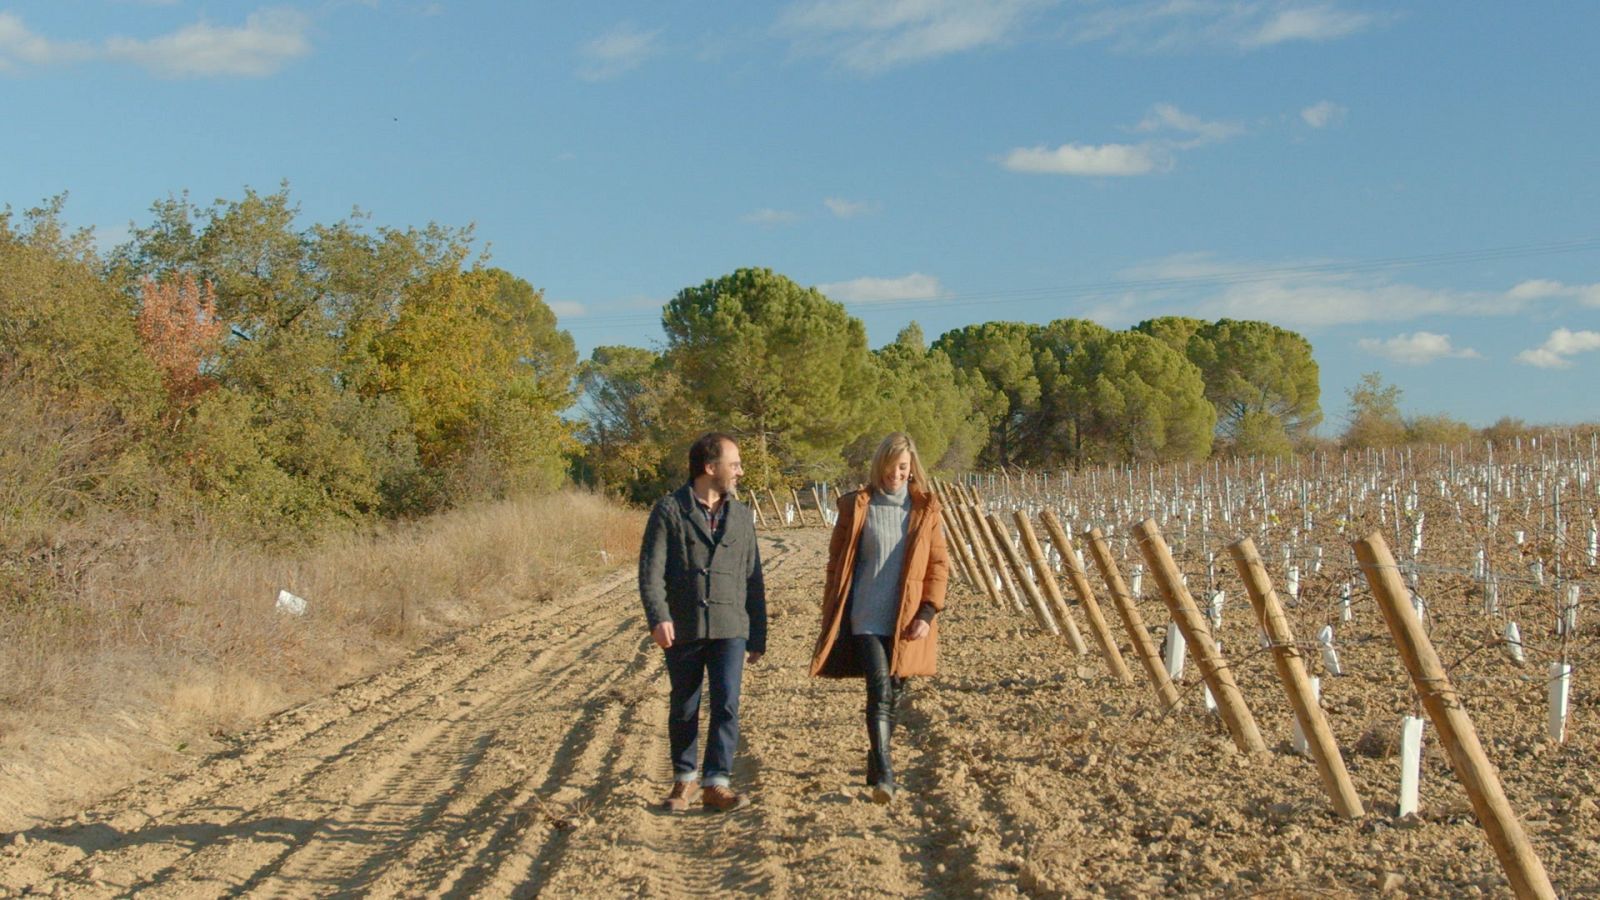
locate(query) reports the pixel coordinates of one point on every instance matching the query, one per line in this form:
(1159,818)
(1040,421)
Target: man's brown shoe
(682,794)
(717,798)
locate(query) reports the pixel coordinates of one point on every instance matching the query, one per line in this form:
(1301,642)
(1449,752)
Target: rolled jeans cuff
(684,776)
(717,781)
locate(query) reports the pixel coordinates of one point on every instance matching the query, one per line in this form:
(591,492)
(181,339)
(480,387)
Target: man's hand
(663,635)
(752,658)
(916,631)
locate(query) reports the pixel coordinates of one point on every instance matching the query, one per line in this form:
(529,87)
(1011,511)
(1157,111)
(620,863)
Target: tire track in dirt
(228,803)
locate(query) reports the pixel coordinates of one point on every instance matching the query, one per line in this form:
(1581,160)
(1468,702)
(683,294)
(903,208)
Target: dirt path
(525,758)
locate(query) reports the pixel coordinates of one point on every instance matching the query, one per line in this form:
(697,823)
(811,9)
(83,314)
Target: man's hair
(706,450)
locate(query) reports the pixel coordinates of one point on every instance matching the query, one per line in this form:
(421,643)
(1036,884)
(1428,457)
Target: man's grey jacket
(705,588)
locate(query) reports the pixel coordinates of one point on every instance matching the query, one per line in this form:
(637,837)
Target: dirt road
(525,757)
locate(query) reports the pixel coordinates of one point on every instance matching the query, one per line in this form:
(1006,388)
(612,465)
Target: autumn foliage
(179,329)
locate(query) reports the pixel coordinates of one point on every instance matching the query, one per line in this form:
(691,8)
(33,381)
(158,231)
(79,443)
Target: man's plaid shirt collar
(714,517)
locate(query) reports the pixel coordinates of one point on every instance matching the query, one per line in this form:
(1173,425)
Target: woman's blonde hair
(888,451)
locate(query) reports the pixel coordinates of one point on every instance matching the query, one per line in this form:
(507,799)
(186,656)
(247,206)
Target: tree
(776,362)
(1254,367)
(1174,331)
(1131,396)
(180,330)
(1374,417)
(1002,354)
(921,393)
(638,420)
(1437,429)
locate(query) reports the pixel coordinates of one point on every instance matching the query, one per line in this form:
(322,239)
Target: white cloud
(1323,114)
(1157,26)
(1086,159)
(1417,349)
(1294,294)
(1545,289)
(1321,22)
(20,46)
(847,209)
(1559,347)
(1167,117)
(617,52)
(568,309)
(772,217)
(871,35)
(267,40)
(915,286)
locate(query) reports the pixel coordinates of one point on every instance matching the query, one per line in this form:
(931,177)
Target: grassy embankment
(128,646)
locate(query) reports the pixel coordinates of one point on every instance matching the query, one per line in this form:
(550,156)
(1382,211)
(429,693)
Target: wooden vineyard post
(968,519)
(1292,671)
(822,514)
(1450,719)
(755,504)
(1213,667)
(958,548)
(1046,581)
(994,535)
(1040,611)
(1091,607)
(1143,647)
(799,511)
(956,545)
(777,511)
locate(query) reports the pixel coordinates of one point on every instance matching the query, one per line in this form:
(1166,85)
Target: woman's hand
(916,631)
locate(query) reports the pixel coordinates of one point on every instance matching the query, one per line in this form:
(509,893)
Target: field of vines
(1495,554)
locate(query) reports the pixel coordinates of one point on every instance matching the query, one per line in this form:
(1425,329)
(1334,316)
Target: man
(706,606)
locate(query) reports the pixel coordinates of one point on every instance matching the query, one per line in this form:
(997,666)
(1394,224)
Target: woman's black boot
(880,770)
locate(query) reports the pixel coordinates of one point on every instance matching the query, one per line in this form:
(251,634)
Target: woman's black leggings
(883,689)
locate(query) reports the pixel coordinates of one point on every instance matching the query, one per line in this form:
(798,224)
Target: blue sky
(1413,186)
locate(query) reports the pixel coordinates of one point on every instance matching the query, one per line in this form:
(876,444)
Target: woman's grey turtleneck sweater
(875,587)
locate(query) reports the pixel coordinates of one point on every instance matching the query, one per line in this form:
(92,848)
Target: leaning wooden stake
(969,527)
(799,511)
(1292,671)
(1036,602)
(1450,719)
(958,548)
(1091,607)
(1197,632)
(1143,647)
(994,537)
(1047,583)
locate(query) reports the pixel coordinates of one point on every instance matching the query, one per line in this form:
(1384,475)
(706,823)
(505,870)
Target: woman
(887,571)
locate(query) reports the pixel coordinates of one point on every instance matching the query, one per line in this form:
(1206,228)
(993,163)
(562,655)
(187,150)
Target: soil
(527,757)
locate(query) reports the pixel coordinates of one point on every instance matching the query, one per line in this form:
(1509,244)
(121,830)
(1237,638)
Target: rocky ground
(526,757)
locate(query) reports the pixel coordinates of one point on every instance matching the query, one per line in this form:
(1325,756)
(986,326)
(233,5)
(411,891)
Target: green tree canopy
(776,362)
(1002,354)
(920,392)
(1374,419)
(1256,367)
(1126,395)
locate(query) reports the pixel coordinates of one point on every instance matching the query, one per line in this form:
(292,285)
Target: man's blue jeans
(689,666)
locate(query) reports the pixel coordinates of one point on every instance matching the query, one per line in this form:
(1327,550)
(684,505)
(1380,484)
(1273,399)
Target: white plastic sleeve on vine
(1293,585)
(1176,647)
(1513,644)
(1567,622)
(1214,610)
(1560,690)
(1536,569)
(1410,763)
(1136,583)
(1330,657)
(1346,614)
(1301,745)
(1420,607)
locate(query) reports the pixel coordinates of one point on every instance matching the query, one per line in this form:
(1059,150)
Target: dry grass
(113,624)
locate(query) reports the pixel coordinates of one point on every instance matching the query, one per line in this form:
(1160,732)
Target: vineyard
(1207,750)
(1493,557)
